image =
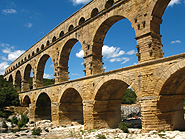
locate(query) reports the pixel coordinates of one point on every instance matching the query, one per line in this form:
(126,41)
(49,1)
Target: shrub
(9,120)
(14,120)
(1,114)
(36,131)
(4,125)
(124,127)
(23,121)
(99,136)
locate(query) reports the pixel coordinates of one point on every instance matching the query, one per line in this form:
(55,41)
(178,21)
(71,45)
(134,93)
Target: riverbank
(52,131)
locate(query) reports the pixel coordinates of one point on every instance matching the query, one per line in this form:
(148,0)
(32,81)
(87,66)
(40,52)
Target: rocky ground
(51,131)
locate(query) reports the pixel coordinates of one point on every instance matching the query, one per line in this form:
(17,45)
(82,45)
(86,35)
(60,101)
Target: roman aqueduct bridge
(95,99)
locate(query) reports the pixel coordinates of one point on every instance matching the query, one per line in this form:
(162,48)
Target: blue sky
(24,22)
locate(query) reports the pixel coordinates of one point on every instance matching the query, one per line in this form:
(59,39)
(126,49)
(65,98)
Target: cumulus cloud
(75,2)
(177,41)
(3,66)
(131,52)
(172,2)
(9,11)
(80,54)
(110,52)
(124,59)
(11,55)
(46,76)
(28,25)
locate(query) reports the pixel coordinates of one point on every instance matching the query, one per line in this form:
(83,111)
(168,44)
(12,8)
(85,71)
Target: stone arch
(26,101)
(171,90)
(27,72)
(33,53)
(40,70)
(71,27)
(54,39)
(18,81)
(10,79)
(47,43)
(158,7)
(94,12)
(43,107)
(71,107)
(61,34)
(64,57)
(37,50)
(109,4)
(98,39)
(81,21)
(107,105)
(42,46)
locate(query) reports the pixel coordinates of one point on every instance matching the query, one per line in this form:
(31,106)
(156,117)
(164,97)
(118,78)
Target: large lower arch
(26,80)
(18,80)
(170,103)
(71,108)
(43,107)
(40,70)
(107,107)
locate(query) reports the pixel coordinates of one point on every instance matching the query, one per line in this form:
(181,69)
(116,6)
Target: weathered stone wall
(100,94)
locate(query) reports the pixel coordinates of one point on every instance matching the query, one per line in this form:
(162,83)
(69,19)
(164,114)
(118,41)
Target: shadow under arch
(170,103)
(43,107)
(10,79)
(40,70)
(107,107)
(26,101)
(18,80)
(71,108)
(64,58)
(26,79)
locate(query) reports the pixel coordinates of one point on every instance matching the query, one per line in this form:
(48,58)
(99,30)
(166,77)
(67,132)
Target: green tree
(8,94)
(129,97)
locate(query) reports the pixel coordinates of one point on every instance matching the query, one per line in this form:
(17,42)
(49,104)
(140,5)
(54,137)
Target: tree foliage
(129,97)
(23,121)
(8,94)
(46,82)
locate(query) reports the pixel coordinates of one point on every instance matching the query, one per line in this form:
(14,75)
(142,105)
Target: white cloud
(172,2)
(177,41)
(80,1)
(28,25)
(6,51)
(9,11)
(5,45)
(3,66)
(110,52)
(75,74)
(80,54)
(11,55)
(124,59)
(131,52)
(46,76)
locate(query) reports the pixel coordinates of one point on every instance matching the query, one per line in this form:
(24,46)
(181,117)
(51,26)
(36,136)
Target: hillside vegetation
(8,96)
